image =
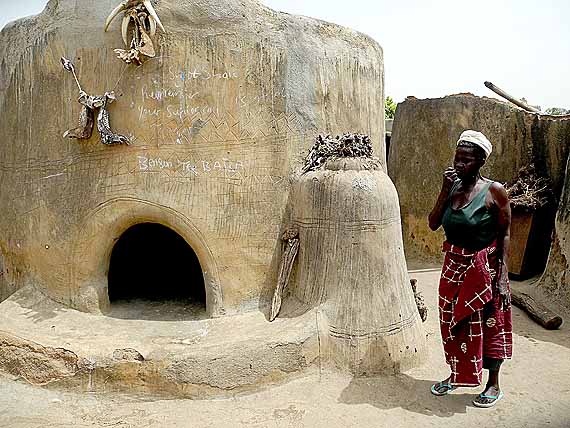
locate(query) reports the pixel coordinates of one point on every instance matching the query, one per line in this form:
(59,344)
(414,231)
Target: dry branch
(510,98)
(529,191)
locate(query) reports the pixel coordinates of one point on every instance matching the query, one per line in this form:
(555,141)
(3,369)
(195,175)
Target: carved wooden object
(291,239)
(422,308)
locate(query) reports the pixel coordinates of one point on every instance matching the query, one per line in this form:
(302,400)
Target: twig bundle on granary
(345,146)
(529,191)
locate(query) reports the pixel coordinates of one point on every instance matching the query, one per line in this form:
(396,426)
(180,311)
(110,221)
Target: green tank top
(473,226)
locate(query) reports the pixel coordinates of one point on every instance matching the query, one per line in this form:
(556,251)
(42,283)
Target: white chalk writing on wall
(203,167)
(200,73)
(223,168)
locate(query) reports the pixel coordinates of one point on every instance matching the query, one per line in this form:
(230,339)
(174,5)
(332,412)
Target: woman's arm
(449,177)
(501,201)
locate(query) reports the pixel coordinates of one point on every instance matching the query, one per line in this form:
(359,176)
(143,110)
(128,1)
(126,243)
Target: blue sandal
(495,398)
(442,388)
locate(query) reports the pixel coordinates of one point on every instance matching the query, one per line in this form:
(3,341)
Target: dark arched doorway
(151,265)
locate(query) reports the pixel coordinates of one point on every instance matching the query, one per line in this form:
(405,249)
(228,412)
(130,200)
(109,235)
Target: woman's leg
(492,389)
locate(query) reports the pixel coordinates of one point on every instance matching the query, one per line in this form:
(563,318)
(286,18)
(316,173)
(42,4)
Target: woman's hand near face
(449,177)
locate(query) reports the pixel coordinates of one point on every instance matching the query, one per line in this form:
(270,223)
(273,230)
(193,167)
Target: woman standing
(474,292)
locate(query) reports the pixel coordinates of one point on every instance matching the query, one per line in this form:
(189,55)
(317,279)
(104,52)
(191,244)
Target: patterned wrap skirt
(473,324)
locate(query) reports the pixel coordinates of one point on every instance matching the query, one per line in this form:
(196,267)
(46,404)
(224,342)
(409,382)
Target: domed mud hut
(216,121)
(205,110)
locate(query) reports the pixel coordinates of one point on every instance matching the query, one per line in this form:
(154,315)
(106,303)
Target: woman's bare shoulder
(496,186)
(498,191)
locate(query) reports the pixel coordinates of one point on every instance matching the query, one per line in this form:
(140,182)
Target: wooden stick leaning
(510,98)
(291,238)
(422,309)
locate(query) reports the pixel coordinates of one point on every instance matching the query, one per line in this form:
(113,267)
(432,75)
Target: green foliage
(390,108)
(557,111)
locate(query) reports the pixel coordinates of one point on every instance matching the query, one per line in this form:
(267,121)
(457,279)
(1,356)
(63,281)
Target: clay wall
(423,142)
(556,278)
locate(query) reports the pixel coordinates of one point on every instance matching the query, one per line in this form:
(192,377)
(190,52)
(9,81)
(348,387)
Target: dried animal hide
(103,126)
(141,16)
(86,118)
(86,121)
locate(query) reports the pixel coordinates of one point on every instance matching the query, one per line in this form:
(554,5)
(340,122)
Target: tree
(557,111)
(390,108)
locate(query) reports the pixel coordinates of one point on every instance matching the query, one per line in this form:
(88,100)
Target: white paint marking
(54,175)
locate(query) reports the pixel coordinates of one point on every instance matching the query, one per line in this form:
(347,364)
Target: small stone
(127,354)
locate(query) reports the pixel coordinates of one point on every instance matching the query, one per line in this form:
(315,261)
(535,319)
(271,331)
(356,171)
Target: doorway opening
(155,274)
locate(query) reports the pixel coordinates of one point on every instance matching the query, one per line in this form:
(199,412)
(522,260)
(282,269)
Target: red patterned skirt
(473,325)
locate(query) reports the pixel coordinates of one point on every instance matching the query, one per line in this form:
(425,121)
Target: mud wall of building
(556,278)
(218,122)
(423,142)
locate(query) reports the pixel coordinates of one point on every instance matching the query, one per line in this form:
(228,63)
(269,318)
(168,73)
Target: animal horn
(152,13)
(125,29)
(114,13)
(152,26)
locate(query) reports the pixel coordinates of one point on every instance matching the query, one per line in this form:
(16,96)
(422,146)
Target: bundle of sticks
(529,191)
(328,147)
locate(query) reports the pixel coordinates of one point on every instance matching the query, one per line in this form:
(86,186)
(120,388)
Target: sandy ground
(536,383)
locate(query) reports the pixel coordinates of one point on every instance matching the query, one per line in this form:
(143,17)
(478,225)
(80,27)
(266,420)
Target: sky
(434,48)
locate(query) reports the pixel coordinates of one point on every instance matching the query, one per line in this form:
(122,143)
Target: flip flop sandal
(495,398)
(436,388)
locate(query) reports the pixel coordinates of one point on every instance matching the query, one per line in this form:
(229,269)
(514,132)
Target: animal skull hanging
(87,115)
(139,14)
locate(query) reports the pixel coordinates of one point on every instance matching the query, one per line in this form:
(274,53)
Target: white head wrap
(477,138)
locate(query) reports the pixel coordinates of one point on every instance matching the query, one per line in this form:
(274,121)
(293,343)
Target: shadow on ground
(34,305)
(149,310)
(406,392)
(524,326)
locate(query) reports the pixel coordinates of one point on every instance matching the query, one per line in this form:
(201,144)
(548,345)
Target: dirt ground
(536,385)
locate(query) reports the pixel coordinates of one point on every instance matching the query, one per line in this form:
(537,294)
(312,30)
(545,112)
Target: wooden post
(538,312)
(510,98)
